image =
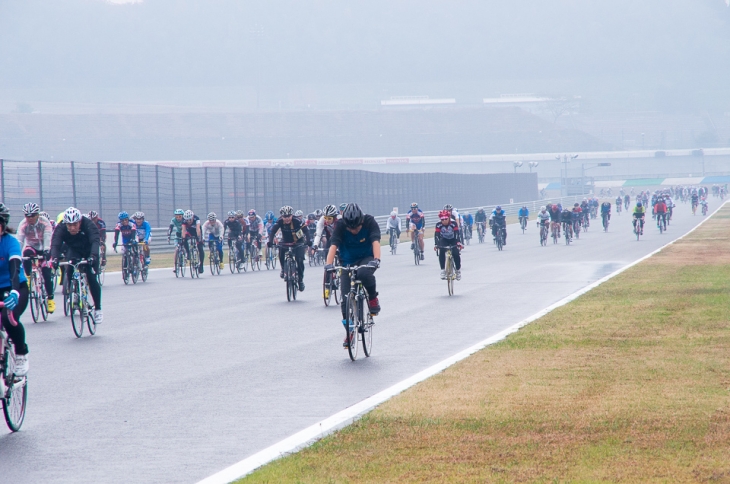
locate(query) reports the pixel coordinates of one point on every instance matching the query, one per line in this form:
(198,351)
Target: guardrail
(159,243)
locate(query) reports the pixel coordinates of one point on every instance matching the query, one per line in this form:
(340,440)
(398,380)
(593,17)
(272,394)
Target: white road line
(349,415)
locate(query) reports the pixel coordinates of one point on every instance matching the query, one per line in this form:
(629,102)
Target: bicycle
(467,234)
(661,222)
(253,256)
(416,246)
(523,223)
(555,228)
(291,275)
(234,264)
(543,234)
(393,241)
(694,208)
(499,238)
(102,264)
(568,229)
(271,257)
(481,227)
(605,222)
(130,263)
(13,389)
(704,209)
(331,285)
(194,255)
(37,294)
(357,314)
(449,269)
(214,258)
(80,307)
(637,227)
(576,228)
(180,257)
(142,263)
(586,223)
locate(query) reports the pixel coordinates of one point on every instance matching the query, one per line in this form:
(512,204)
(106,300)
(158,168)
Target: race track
(186,377)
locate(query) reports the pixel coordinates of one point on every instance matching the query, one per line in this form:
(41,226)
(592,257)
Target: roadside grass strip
(628,382)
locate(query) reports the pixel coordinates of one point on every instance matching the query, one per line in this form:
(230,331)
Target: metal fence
(158,190)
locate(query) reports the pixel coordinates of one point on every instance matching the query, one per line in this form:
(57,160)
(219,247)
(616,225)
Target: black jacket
(288,231)
(84,244)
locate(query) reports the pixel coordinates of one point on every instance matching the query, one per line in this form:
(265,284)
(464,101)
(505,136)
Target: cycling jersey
(292,232)
(468,219)
(577,214)
(417,219)
(393,223)
(543,217)
(355,247)
(176,225)
(605,207)
(524,212)
(10,249)
(639,211)
(191,226)
(212,228)
(37,235)
(480,217)
(555,215)
(144,232)
(499,218)
(446,235)
(256,226)
(660,207)
(101,225)
(128,232)
(567,216)
(234,228)
(323,228)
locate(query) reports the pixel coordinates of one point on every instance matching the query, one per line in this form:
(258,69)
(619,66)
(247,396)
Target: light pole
(517,164)
(583,172)
(533,164)
(564,180)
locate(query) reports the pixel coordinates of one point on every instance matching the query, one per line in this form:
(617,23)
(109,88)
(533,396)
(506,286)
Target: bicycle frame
(359,330)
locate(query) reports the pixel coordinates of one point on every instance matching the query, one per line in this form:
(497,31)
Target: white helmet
(212,216)
(393,214)
(71,215)
(543,208)
(330,211)
(188,215)
(31,209)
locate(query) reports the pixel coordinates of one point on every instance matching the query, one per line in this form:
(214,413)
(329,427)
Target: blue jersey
(524,212)
(128,232)
(10,249)
(468,219)
(144,231)
(417,219)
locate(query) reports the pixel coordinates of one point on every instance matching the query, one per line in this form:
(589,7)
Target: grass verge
(630,382)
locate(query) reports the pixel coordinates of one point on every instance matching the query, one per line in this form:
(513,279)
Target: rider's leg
(48,280)
(442,258)
(420,240)
(17,333)
(456,254)
(94,287)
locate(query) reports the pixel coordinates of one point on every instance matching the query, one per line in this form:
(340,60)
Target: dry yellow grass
(629,383)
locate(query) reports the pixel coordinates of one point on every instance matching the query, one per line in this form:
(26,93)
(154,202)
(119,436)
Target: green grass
(630,382)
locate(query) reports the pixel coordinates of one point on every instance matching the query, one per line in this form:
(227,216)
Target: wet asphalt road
(186,377)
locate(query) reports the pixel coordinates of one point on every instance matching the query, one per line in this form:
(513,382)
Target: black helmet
(352,215)
(4,214)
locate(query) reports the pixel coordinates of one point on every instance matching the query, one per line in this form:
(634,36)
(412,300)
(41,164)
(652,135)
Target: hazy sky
(656,45)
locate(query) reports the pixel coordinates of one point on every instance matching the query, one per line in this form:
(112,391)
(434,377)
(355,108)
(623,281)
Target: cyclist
(393,223)
(498,219)
(299,215)
(416,221)
(660,209)
(605,211)
(292,233)
(256,230)
(325,225)
(357,237)
(543,218)
(191,230)
(14,283)
(468,220)
(310,226)
(79,237)
(269,221)
(480,219)
(50,220)
(144,234)
(213,230)
(127,229)
(34,237)
(235,234)
(318,214)
(639,213)
(619,203)
(101,225)
(524,215)
(576,218)
(585,207)
(695,200)
(446,236)
(176,224)
(555,218)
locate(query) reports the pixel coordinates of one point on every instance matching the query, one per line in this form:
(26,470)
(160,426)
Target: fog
(670,54)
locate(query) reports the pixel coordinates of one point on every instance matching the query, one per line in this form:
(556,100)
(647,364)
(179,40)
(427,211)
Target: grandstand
(424,131)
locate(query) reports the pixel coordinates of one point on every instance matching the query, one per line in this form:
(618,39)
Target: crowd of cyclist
(345,234)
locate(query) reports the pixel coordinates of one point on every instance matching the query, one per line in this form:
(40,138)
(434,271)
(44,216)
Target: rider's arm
(116,234)
(318,232)
(20,234)
(274,229)
(92,231)
(15,262)
(57,241)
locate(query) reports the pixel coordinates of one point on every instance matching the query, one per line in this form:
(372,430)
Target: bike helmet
(31,209)
(638,204)
(330,211)
(239,213)
(393,214)
(542,209)
(286,211)
(121,216)
(298,213)
(252,213)
(318,213)
(179,211)
(231,213)
(188,215)
(72,215)
(269,215)
(5,214)
(45,214)
(444,214)
(481,209)
(352,216)
(576,204)
(138,215)
(414,205)
(93,214)
(498,208)
(311,216)
(448,207)
(343,206)
(212,216)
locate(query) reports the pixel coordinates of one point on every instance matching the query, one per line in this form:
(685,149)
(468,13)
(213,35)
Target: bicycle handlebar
(11,316)
(79,263)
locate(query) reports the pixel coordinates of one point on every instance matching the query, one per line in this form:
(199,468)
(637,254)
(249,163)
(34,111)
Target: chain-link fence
(158,190)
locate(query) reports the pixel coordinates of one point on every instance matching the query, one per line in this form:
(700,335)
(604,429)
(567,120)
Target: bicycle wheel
(135,269)
(499,240)
(100,275)
(183,264)
(352,325)
(125,269)
(417,252)
(212,260)
(194,266)
(293,279)
(66,298)
(35,306)
(17,396)
(326,289)
(449,279)
(90,321)
(232,259)
(367,335)
(77,323)
(289,294)
(145,272)
(44,300)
